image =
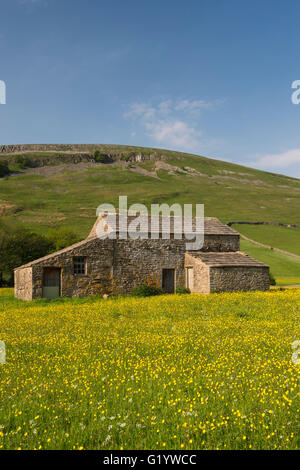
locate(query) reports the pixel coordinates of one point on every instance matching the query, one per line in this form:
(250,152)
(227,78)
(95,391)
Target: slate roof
(212,225)
(236,258)
(52,255)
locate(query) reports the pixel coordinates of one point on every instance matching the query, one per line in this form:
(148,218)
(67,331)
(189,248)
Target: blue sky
(209,77)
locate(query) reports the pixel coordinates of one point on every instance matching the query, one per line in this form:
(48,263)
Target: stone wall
(201,274)
(98,277)
(239,278)
(113,267)
(142,261)
(223,243)
(23,284)
(275,224)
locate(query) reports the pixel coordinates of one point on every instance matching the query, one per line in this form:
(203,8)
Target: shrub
(17,247)
(101,158)
(146,291)
(125,158)
(25,162)
(62,237)
(272,280)
(4,170)
(182,290)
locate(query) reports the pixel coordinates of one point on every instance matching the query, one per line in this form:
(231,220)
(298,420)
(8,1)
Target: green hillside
(284,268)
(63,185)
(287,239)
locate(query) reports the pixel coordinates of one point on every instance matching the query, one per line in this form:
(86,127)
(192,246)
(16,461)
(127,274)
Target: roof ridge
(214,258)
(212,225)
(55,253)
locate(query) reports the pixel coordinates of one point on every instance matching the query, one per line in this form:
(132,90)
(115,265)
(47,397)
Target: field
(287,239)
(284,268)
(170,372)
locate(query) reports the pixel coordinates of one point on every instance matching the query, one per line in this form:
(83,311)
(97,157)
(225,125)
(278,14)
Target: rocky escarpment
(49,154)
(37,160)
(40,148)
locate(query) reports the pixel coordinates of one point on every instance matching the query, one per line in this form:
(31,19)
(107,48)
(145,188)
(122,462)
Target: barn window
(79,265)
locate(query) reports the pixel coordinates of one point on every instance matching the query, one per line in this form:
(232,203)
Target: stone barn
(98,266)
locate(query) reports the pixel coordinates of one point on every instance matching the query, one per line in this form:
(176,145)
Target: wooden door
(190,278)
(51,283)
(168,281)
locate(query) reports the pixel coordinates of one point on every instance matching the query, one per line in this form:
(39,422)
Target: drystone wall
(239,278)
(23,284)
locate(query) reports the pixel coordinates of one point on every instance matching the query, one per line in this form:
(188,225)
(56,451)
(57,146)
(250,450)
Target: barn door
(168,280)
(51,283)
(190,278)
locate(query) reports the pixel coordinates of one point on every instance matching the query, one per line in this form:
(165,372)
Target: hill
(62,185)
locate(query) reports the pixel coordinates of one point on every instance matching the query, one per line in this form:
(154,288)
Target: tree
(272,280)
(62,237)
(18,247)
(4,170)
(101,157)
(25,162)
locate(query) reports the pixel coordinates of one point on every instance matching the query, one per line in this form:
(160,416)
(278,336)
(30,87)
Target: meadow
(168,372)
(285,238)
(284,268)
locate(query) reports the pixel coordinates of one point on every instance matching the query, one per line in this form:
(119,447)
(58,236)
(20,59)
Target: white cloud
(165,107)
(177,134)
(278,160)
(170,123)
(196,105)
(140,110)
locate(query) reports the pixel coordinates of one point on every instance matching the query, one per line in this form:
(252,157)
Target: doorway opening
(168,281)
(51,283)
(189,278)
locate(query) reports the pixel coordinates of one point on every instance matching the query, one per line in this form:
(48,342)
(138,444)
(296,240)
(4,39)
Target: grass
(286,281)
(70,198)
(284,268)
(170,372)
(287,239)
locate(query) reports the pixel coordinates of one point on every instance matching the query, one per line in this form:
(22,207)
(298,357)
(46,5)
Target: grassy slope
(285,269)
(229,192)
(287,239)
